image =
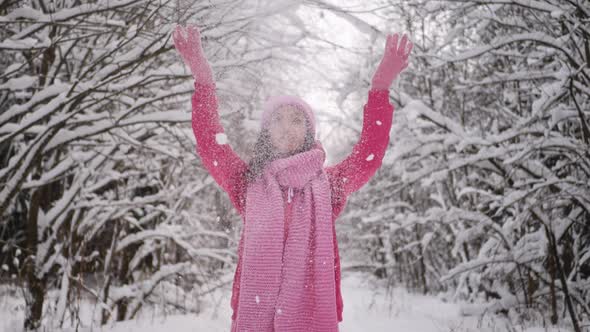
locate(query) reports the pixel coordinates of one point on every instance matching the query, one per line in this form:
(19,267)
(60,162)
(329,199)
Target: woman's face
(287,129)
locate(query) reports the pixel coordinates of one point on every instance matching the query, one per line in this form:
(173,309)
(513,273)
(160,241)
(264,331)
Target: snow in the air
(123,200)
(221,138)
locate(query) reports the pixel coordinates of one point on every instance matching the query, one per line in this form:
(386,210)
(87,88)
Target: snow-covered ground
(367,307)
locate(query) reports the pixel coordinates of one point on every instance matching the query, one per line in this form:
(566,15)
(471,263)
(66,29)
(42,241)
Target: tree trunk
(35,287)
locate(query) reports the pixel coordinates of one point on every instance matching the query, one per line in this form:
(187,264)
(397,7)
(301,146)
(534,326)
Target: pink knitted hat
(274,103)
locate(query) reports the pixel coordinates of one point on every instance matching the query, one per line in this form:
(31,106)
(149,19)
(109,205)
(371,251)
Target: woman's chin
(284,152)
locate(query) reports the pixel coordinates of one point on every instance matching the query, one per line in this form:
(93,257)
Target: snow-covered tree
(485,188)
(101,192)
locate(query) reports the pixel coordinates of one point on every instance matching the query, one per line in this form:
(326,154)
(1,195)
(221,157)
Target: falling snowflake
(221,138)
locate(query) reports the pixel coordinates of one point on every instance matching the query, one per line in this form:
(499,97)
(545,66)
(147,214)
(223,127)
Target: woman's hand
(188,43)
(394,61)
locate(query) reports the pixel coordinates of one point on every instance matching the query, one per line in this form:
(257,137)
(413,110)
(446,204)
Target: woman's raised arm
(224,165)
(217,156)
(367,155)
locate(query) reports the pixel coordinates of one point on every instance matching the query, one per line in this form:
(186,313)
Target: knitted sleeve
(224,165)
(367,154)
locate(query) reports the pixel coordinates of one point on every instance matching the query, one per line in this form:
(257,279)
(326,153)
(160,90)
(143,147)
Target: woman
(288,272)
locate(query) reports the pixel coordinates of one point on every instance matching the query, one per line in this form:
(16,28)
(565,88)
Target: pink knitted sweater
(346,177)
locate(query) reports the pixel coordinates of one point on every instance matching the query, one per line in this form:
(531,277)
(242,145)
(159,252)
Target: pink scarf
(288,284)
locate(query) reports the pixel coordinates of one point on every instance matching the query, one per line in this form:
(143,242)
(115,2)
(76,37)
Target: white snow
(378,122)
(367,307)
(370,157)
(19,83)
(51,91)
(221,138)
(63,14)
(24,44)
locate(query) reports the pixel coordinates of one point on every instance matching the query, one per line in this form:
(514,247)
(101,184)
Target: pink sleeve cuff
(378,98)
